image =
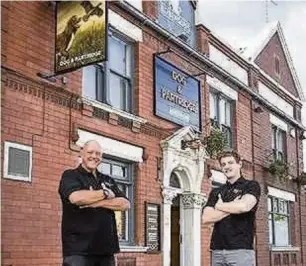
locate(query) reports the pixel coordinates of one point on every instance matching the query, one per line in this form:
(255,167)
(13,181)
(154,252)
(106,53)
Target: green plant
(215,142)
(279,168)
(303,179)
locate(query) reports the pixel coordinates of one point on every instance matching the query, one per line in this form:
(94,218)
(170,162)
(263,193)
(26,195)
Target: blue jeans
(77,260)
(237,257)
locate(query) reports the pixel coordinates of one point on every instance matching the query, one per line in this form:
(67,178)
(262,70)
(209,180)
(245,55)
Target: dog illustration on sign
(66,37)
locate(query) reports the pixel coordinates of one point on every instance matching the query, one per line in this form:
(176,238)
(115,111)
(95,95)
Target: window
(279,221)
(276,66)
(17,161)
(222,113)
(122,173)
(111,82)
(178,18)
(278,143)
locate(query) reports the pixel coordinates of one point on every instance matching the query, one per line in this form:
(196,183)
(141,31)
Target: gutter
(145,20)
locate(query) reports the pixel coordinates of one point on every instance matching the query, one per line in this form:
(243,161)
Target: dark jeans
(77,260)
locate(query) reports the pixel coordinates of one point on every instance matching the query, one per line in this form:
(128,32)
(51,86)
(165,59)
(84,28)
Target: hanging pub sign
(177,95)
(81,34)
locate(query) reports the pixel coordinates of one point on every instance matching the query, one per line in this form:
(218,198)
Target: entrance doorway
(175,232)
(175,223)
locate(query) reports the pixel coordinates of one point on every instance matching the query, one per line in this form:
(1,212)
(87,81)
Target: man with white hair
(89,199)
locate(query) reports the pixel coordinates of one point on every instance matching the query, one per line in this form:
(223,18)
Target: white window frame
(289,197)
(103,72)
(7,146)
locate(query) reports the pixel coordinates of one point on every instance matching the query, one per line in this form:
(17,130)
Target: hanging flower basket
(303,179)
(279,169)
(215,142)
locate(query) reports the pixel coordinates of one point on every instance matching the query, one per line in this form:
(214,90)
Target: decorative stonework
(193,200)
(59,96)
(169,194)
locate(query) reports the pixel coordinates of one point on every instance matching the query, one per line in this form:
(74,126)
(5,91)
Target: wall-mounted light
(192,144)
(303,135)
(258,110)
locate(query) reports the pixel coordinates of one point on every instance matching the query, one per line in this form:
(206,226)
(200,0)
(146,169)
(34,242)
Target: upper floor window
(177,17)
(278,143)
(221,111)
(122,173)
(276,65)
(279,221)
(111,82)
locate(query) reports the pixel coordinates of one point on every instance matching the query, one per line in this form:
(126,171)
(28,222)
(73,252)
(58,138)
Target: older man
(89,199)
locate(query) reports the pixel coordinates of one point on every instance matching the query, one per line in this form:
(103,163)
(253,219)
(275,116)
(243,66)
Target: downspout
(299,194)
(253,164)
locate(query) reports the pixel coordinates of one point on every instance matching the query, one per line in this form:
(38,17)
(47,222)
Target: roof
(260,42)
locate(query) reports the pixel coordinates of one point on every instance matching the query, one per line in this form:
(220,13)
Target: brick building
(166,78)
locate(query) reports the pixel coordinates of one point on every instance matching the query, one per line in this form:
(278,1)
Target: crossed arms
(96,198)
(72,190)
(222,209)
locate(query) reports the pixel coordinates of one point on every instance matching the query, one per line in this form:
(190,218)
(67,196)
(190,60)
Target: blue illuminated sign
(177,95)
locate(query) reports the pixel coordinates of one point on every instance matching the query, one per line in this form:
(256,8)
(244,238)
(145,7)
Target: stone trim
(193,200)
(61,97)
(169,194)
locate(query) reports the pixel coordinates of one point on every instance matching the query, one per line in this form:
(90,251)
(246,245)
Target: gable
(266,61)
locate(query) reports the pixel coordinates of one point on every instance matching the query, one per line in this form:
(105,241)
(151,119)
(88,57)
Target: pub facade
(166,84)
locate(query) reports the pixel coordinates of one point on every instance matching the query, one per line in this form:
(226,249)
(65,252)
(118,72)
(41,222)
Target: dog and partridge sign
(81,34)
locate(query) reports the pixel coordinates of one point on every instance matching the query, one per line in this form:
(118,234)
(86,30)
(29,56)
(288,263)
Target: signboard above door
(177,94)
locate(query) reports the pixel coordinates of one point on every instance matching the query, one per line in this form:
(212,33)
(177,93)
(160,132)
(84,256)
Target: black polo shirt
(88,231)
(235,231)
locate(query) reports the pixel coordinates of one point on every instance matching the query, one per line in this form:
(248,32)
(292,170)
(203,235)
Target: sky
(238,22)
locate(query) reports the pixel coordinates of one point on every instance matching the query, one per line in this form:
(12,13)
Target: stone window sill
(285,249)
(114,110)
(133,249)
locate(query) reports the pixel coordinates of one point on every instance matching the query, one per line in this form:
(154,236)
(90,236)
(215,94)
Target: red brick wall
(266,62)
(30,235)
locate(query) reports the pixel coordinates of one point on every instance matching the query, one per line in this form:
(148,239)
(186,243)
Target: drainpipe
(299,194)
(253,163)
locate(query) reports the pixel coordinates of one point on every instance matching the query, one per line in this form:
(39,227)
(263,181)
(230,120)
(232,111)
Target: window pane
(212,106)
(281,227)
(222,111)
(119,93)
(89,82)
(269,204)
(275,205)
(270,230)
(105,168)
(273,138)
(280,141)
(286,209)
(281,206)
(228,134)
(228,113)
(121,221)
(117,56)
(119,171)
(128,60)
